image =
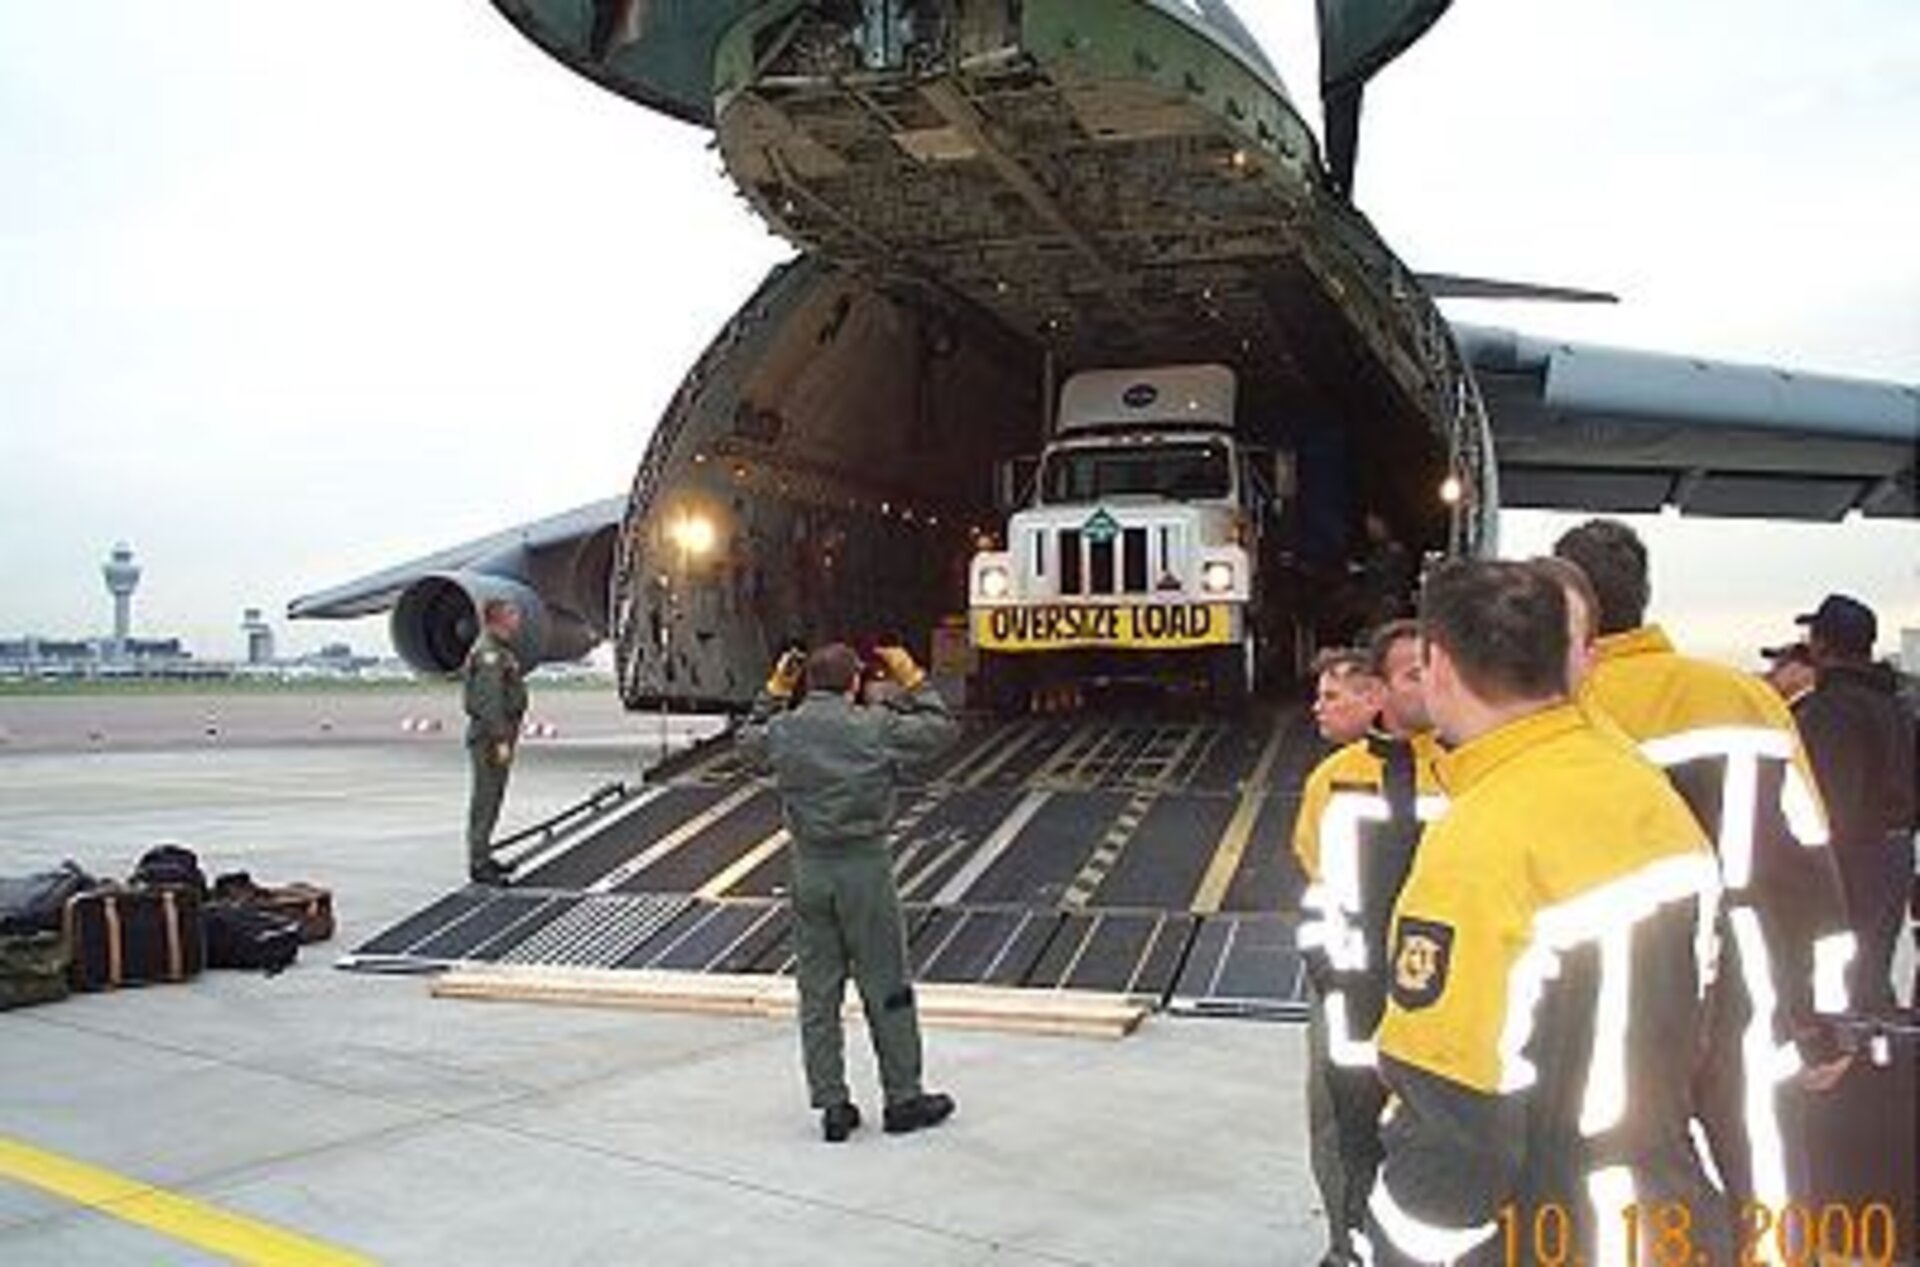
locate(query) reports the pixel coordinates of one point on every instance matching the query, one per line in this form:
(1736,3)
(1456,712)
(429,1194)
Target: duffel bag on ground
(250,938)
(134,937)
(35,903)
(33,969)
(171,867)
(309,904)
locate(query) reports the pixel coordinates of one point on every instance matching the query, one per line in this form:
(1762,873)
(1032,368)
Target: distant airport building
(1910,651)
(92,657)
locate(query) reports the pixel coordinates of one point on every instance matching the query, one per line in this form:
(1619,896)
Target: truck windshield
(1181,472)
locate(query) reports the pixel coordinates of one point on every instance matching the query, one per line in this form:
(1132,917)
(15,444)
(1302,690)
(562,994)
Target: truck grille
(1115,566)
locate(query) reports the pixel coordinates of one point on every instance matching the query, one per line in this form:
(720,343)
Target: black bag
(33,969)
(244,937)
(35,903)
(134,937)
(171,867)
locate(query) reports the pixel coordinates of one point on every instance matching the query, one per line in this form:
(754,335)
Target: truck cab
(1133,549)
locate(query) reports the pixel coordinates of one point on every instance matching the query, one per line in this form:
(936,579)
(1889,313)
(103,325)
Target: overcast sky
(292,292)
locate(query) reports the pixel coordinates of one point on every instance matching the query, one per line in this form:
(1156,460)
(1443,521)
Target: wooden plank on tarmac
(1064,1012)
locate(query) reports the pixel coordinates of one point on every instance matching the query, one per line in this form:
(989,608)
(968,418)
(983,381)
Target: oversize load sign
(1058,627)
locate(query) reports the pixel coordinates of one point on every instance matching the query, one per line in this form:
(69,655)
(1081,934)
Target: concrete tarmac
(173,717)
(359,1112)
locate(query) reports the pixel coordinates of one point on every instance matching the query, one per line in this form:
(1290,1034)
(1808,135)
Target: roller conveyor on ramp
(1144,856)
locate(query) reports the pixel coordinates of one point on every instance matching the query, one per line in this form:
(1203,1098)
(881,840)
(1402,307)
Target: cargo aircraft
(989,196)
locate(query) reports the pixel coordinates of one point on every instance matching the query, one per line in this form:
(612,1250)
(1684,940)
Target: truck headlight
(994,581)
(1216,578)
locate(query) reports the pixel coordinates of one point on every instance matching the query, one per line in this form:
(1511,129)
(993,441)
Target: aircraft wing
(380,590)
(1583,427)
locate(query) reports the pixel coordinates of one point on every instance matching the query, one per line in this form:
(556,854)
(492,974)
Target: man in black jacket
(1860,742)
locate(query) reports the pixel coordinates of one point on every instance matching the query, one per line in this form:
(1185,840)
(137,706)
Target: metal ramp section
(1147,854)
(1212,965)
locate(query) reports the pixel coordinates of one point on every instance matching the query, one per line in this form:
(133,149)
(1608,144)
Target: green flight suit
(836,765)
(496,700)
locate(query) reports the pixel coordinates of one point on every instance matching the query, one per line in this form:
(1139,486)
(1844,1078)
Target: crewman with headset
(1729,745)
(836,764)
(1550,956)
(1360,817)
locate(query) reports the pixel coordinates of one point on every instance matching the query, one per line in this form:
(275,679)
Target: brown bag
(308,905)
(134,937)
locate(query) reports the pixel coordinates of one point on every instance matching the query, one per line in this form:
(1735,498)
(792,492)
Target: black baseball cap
(1844,623)
(1791,652)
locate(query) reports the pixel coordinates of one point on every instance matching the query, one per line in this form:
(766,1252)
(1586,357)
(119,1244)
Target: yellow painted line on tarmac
(1233,841)
(179,1218)
(749,862)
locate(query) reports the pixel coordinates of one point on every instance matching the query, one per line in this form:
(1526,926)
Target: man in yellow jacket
(1550,956)
(1730,747)
(1360,818)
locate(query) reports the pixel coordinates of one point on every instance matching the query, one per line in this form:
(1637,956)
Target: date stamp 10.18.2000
(1666,1234)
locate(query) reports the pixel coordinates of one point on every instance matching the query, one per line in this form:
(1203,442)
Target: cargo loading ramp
(1144,855)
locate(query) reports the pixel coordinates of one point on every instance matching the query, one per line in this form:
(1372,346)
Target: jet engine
(562,602)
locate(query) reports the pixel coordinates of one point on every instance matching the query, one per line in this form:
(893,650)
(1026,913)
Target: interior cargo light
(994,582)
(693,534)
(1451,490)
(1216,578)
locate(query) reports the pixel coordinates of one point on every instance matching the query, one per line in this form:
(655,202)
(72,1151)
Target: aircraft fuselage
(986,198)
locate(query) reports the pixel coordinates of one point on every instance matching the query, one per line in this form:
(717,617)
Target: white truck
(1135,549)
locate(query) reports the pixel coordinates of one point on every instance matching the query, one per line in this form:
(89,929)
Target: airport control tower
(122,576)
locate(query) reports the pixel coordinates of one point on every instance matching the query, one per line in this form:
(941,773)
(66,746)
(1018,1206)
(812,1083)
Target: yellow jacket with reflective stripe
(1650,691)
(1699,721)
(1355,847)
(1549,955)
(1356,767)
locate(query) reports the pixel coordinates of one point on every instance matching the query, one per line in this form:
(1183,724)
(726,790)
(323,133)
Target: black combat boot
(929,1108)
(839,1121)
(488,872)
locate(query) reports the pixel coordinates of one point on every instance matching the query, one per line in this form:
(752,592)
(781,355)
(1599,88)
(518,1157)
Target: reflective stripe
(1706,940)
(1526,982)
(1338,933)
(1611,1192)
(1706,742)
(1760,1060)
(1805,819)
(1737,795)
(1422,1242)
(1324,928)
(1340,842)
(1743,748)
(1831,955)
(1336,898)
(1703,1153)
(1618,904)
(1342,1048)
(1605,1101)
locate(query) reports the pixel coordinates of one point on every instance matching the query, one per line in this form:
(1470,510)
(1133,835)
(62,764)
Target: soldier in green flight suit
(496,700)
(836,762)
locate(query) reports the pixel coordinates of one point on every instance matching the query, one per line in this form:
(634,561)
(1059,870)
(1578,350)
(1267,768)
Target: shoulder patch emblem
(1422,951)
